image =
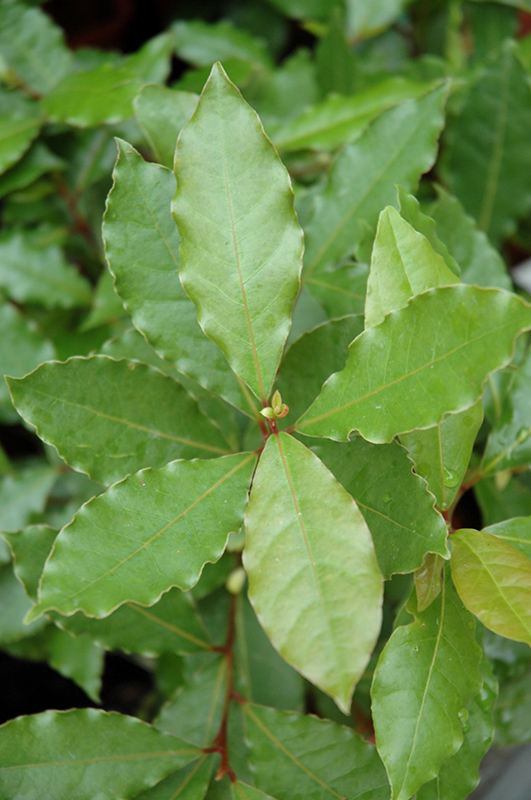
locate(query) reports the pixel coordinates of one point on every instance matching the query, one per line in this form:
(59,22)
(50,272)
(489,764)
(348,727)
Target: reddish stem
(80,224)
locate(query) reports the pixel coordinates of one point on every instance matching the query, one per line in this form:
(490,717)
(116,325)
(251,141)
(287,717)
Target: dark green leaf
(410,211)
(396,374)
(313,759)
(319,604)
(115,401)
(427,673)
(19,125)
(36,162)
(177,518)
(24,493)
(85,754)
(241,244)
(188,783)
(15,606)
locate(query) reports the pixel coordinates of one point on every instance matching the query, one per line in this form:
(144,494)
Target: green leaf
(494,582)
(339,120)
(403,264)
(40,275)
(77,658)
(24,493)
(341,291)
(337,65)
(411,212)
(428,580)
(33,47)
(200,43)
(87,99)
(152,62)
(310,359)
(480,262)
(162,113)
(85,754)
(319,605)
(115,401)
(107,307)
(509,444)
(241,244)
(142,245)
(393,500)
(36,162)
(170,626)
(188,783)
(242,791)
(486,160)
(516,532)
(19,125)
(396,377)
(313,758)
(367,19)
(177,518)
(459,775)
(397,148)
(15,606)
(427,673)
(442,453)
(512,714)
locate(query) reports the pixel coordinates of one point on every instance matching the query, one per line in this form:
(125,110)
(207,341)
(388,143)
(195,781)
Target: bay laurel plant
(275,521)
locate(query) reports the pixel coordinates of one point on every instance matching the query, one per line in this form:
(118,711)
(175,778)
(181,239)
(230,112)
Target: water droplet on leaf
(451,479)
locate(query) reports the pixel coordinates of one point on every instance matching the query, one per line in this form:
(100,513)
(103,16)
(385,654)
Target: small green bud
(268,413)
(236,580)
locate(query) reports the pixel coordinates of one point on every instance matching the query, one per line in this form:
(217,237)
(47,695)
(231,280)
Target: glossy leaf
(462,329)
(411,212)
(241,244)
(310,360)
(480,262)
(85,753)
(242,791)
(312,758)
(403,264)
(460,774)
(509,444)
(394,502)
(77,658)
(170,626)
(339,120)
(40,275)
(177,518)
(142,246)
(114,400)
(19,125)
(428,580)
(88,99)
(494,582)
(516,532)
(188,783)
(442,453)
(33,47)
(162,113)
(486,160)
(397,148)
(322,615)
(428,671)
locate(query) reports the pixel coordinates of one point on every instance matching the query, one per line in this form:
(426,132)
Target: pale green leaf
(188,783)
(162,113)
(310,360)
(38,161)
(367,19)
(516,532)
(98,413)
(159,528)
(200,43)
(313,759)
(341,291)
(403,264)
(319,604)
(169,626)
(142,248)
(410,210)
(152,62)
(427,673)
(393,500)
(397,148)
(396,377)
(15,606)
(24,493)
(480,262)
(494,582)
(486,159)
(338,120)
(442,453)
(459,775)
(88,99)
(40,275)
(85,754)
(428,580)
(33,46)
(509,442)
(19,125)
(241,244)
